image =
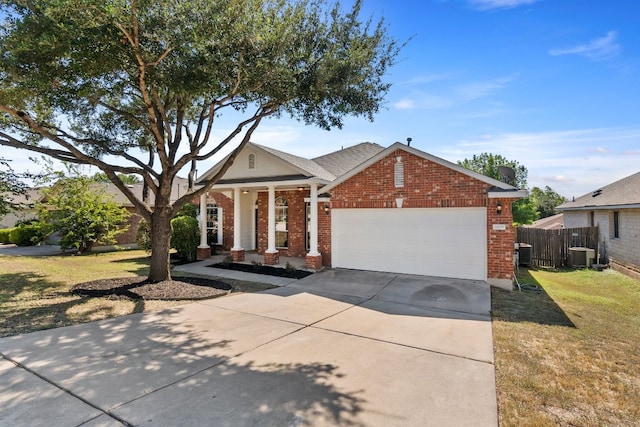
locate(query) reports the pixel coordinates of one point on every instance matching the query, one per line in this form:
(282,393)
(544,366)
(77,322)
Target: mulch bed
(263,269)
(182,288)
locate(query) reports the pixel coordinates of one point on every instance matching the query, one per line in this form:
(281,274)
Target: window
(398,173)
(214,220)
(282,219)
(252,161)
(593,219)
(616,225)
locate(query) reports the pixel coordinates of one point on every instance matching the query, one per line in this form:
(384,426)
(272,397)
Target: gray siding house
(615,209)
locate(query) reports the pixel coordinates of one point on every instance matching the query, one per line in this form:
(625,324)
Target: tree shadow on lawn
(532,304)
(181,367)
(30,302)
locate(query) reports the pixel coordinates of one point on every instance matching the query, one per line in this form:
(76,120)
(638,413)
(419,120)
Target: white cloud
(597,49)
(500,4)
(572,162)
(405,104)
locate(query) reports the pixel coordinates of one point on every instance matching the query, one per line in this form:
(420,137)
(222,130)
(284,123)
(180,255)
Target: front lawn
(35,290)
(569,354)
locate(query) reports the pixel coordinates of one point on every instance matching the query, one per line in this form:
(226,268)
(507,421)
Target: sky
(551,84)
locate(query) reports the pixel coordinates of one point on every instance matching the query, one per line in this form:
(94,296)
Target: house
(24,207)
(615,209)
(553,222)
(394,209)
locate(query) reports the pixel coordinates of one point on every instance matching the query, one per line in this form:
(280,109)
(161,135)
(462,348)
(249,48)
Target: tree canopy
(135,87)
(546,201)
(10,186)
(524,211)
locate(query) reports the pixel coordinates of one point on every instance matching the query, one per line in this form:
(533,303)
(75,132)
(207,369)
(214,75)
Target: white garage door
(445,242)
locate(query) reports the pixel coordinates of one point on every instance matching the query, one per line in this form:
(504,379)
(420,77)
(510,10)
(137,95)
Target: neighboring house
(553,222)
(25,209)
(394,209)
(615,209)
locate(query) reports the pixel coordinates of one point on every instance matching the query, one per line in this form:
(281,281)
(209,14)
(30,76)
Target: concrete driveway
(340,347)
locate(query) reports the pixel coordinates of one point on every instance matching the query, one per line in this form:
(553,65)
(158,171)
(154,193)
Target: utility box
(524,254)
(580,257)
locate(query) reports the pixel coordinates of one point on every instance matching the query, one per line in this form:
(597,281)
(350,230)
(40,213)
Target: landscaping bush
(5,235)
(26,235)
(185,237)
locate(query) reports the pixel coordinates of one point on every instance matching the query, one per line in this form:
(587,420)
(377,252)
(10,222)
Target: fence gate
(550,248)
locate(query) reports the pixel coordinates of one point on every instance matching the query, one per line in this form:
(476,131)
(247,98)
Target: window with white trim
(282,223)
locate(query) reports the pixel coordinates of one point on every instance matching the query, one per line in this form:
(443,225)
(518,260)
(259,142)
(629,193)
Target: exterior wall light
(325,208)
(499,208)
(245,191)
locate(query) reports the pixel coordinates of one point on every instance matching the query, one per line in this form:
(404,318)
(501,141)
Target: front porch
(272,224)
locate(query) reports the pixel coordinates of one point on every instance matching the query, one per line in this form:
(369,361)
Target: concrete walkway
(337,348)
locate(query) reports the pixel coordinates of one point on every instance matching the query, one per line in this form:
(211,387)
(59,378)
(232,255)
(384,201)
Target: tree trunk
(160,245)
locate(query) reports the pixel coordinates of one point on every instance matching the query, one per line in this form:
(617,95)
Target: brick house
(393,209)
(615,209)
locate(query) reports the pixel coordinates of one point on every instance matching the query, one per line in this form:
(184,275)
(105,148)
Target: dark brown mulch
(263,269)
(182,288)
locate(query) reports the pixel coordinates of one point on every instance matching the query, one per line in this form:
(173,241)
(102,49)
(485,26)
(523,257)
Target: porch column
(237,252)
(271,254)
(204,250)
(313,258)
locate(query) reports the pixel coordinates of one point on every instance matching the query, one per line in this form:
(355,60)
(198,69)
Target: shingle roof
(306,165)
(342,161)
(620,193)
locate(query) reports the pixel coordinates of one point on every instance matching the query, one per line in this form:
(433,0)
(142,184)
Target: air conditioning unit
(581,257)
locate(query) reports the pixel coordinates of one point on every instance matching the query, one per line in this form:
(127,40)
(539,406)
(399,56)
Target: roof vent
(596,193)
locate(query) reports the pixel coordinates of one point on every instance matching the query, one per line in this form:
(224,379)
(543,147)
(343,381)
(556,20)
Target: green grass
(568,355)
(34,290)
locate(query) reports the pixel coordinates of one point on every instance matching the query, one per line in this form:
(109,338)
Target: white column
(203,222)
(237,224)
(271,225)
(313,227)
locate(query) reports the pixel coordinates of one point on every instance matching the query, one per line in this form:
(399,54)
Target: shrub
(185,237)
(143,236)
(26,235)
(5,235)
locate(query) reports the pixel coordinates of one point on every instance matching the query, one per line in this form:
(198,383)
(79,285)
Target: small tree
(82,213)
(185,237)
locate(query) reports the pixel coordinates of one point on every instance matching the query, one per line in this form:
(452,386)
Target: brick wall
(133,222)
(430,185)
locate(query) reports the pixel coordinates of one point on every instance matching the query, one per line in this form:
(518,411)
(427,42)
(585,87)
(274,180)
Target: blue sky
(553,84)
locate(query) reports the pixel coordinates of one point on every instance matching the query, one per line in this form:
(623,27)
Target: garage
(444,242)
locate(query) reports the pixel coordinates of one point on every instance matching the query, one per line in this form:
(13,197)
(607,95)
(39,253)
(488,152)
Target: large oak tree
(136,87)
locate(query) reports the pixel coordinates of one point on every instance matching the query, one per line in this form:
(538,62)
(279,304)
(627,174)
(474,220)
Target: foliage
(151,77)
(487,164)
(546,201)
(524,211)
(189,209)
(81,212)
(126,179)
(143,236)
(5,234)
(10,186)
(28,234)
(185,237)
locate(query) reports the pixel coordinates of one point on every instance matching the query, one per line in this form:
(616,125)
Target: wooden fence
(550,248)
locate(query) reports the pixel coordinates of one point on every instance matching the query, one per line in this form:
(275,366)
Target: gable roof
(623,193)
(308,167)
(342,161)
(553,222)
(500,189)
